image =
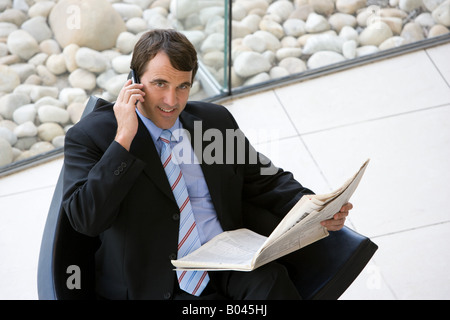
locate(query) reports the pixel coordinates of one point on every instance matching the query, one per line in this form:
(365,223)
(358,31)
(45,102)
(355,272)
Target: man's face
(166,91)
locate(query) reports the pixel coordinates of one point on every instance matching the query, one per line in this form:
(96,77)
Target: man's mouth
(166,110)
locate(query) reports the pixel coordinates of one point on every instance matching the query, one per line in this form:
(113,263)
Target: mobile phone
(134,77)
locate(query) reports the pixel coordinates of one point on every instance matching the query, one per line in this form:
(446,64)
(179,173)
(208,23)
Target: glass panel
(280,39)
(205,23)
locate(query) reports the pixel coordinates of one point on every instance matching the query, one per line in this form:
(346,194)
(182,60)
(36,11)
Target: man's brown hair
(178,48)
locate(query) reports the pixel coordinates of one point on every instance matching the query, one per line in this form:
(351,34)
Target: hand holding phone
(127,122)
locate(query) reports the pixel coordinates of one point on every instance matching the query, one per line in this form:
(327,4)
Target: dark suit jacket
(125,199)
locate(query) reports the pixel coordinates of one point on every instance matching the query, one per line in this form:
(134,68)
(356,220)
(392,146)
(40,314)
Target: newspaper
(245,250)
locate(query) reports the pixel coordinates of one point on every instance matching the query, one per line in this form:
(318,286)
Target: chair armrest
(326,268)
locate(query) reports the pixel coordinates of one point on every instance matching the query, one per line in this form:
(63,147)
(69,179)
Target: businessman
(155,176)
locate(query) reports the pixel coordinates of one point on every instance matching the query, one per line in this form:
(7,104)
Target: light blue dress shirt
(204,212)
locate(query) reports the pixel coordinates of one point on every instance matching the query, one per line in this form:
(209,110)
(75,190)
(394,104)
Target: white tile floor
(396,112)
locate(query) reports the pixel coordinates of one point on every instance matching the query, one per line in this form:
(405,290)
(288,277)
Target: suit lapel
(144,149)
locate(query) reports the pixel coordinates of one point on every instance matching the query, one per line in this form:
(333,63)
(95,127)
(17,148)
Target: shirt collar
(155,131)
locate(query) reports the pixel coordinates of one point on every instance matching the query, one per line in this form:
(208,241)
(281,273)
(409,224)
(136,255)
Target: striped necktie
(192,282)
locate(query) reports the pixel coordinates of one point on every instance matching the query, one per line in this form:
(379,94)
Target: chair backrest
(66,269)
(66,258)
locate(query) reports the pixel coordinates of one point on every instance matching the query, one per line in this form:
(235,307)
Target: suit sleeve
(95,181)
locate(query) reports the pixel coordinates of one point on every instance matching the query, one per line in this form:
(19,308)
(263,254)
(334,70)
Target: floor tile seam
(355,123)
(6,195)
(384,278)
(392,288)
(350,224)
(299,135)
(437,68)
(410,229)
(287,137)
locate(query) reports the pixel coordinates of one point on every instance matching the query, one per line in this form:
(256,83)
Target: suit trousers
(268,282)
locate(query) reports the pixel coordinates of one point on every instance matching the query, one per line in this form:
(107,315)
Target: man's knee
(268,282)
(282,286)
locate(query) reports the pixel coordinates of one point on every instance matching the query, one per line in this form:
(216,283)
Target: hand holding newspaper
(245,250)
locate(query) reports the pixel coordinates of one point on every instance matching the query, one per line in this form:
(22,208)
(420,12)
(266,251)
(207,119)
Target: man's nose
(170,97)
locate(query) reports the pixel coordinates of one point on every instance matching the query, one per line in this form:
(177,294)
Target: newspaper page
(245,250)
(308,229)
(229,250)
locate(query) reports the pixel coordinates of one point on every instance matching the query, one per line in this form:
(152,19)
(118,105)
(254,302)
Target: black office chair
(62,247)
(322,270)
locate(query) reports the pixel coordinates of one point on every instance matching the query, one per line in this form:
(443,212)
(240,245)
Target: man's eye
(160,84)
(184,86)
